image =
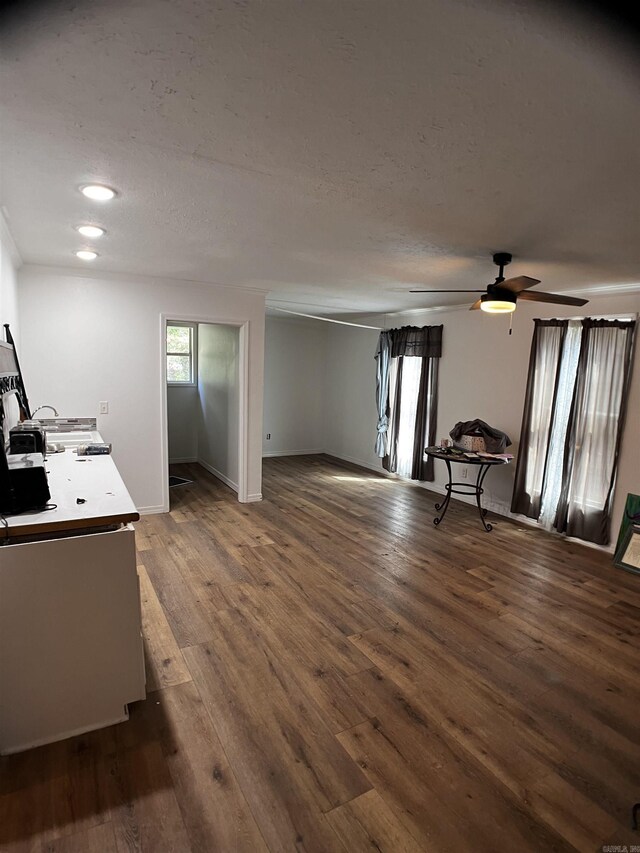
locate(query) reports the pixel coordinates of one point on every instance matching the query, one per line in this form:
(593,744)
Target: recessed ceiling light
(90,230)
(86,255)
(97,192)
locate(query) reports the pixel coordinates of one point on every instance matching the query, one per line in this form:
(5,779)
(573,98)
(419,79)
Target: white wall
(182,421)
(9,263)
(294,386)
(217,431)
(351,413)
(87,338)
(483,374)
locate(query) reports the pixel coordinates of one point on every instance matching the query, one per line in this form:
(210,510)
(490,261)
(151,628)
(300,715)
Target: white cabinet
(71,654)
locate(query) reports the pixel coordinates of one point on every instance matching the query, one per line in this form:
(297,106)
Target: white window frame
(193,353)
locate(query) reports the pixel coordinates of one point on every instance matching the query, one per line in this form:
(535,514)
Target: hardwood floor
(328,671)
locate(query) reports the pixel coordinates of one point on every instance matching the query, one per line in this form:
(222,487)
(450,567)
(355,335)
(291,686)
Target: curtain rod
(326,319)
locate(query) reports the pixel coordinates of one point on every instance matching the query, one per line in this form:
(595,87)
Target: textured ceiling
(334,153)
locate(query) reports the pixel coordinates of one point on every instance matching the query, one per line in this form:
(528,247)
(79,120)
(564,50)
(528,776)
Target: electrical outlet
(103,408)
(464,473)
(268,436)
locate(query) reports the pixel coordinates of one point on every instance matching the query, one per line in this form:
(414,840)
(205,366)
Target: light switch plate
(103,408)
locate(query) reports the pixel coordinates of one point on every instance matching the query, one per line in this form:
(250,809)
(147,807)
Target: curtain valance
(419,342)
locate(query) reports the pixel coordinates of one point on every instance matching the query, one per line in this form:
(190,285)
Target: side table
(475,489)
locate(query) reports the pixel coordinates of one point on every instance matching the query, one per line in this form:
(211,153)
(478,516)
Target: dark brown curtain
(537,418)
(424,343)
(569,486)
(422,468)
(594,433)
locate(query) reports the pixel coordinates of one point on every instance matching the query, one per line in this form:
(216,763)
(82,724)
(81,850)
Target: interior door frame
(243,397)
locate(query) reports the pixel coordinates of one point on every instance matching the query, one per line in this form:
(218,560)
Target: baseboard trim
(271,453)
(531,522)
(254,498)
(368,465)
(151,510)
(183,460)
(488,504)
(218,474)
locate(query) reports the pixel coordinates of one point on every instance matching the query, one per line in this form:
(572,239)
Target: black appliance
(28,437)
(23,478)
(23,484)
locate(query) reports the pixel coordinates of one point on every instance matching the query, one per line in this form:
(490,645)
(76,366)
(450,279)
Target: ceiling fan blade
(476,305)
(520,282)
(536,296)
(447,291)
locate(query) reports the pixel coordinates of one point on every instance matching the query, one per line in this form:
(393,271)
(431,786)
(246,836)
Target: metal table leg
(445,503)
(482,473)
(471,489)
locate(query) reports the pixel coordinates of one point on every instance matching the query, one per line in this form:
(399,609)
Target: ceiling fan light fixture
(501,296)
(503,303)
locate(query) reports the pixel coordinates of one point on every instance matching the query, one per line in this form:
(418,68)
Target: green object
(627,556)
(631,515)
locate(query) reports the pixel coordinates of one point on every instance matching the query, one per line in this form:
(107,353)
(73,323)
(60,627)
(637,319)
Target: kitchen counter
(94,479)
(71,651)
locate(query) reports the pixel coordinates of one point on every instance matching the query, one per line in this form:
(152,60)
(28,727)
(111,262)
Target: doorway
(205,402)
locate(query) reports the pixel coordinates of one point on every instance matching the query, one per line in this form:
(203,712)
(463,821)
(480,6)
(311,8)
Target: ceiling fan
(501,296)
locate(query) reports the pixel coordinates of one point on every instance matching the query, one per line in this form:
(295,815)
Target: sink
(73,439)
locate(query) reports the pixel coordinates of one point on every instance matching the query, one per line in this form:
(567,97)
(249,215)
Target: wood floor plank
(456,778)
(423,815)
(165,665)
(97,839)
(288,764)
(214,810)
(624,589)
(367,823)
(578,648)
(571,619)
(68,795)
(575,817)
(319,639)
(313,667)
(144,810)
(316,586)
(237,665)
(469,712)
(183,606)
(609,702)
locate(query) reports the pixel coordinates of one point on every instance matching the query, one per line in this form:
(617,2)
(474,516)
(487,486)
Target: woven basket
(471,442)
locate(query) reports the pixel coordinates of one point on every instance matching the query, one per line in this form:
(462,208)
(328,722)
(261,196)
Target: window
(572,425)
(406,396)
(181,353)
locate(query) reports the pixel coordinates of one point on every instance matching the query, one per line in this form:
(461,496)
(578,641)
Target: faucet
(55,411)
